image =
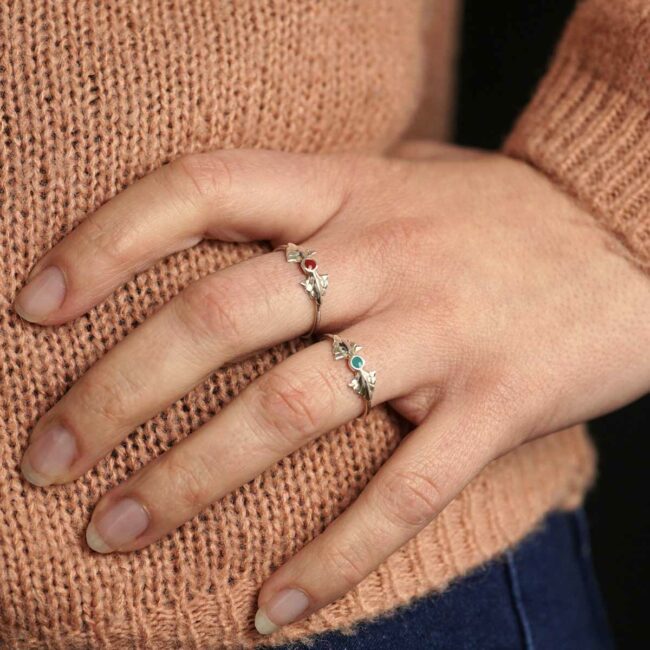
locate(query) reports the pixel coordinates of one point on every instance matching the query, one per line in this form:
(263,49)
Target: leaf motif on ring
(342,349)
(316,285)
(295,254)
(363,383)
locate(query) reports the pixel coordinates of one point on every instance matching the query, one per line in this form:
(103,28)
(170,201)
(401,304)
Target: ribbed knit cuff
(588,125)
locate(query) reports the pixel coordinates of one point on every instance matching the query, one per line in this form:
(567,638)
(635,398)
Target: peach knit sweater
(94,95)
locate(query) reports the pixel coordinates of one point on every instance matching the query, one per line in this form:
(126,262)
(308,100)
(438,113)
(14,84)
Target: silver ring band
(363,382)
(315,283)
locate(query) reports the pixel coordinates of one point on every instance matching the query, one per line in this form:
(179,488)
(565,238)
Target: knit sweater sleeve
(588,124)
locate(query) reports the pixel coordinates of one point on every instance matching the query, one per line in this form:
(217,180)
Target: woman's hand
(492,309)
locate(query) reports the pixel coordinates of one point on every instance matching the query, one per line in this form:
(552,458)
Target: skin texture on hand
(491,307)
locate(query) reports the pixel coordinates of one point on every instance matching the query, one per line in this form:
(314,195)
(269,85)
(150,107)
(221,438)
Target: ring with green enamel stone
(363,382)
(315,283)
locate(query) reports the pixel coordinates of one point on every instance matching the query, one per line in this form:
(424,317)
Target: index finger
(234,195)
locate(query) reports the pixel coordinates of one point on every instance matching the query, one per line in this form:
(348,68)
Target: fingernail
(42,295)
(118,526)
(49,456)
(284,608)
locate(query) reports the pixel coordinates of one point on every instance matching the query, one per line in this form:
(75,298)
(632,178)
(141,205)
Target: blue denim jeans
(542,595)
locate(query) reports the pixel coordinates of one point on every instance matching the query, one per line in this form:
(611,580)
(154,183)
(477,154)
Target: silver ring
(315,283)
(363,382)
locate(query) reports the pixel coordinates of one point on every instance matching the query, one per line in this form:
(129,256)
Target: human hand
(491,307)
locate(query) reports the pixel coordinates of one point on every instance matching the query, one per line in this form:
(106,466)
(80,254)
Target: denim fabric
(542,595)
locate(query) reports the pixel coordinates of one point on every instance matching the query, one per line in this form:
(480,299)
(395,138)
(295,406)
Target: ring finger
(303,397)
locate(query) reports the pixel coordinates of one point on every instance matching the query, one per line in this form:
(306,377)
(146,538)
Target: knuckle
(189,481)
(212,307)
(399,274)
(110,398)
(104,243)
(289,410)
(411,233)
(346,562)
(208,175)
(408,498)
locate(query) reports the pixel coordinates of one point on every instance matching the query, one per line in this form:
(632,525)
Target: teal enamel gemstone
(357,362)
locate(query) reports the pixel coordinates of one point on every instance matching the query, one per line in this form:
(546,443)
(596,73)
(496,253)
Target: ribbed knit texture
(588,126)
(94,95)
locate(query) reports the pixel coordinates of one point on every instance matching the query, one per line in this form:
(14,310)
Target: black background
(505,48)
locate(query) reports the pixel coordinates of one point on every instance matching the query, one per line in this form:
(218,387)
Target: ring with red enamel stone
(315,283)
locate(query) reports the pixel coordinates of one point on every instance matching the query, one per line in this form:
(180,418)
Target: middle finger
(227,315)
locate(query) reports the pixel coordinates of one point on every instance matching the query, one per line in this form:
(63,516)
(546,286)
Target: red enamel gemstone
(310,264)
